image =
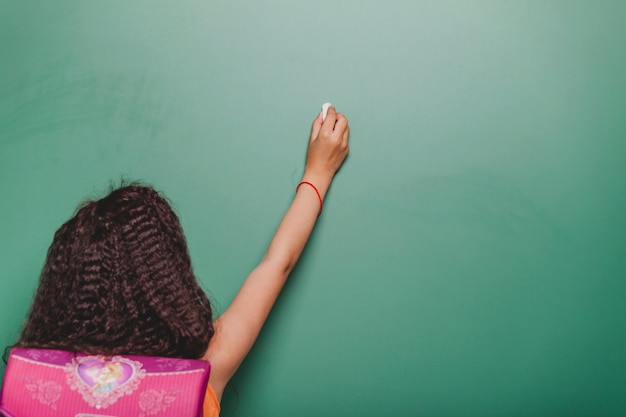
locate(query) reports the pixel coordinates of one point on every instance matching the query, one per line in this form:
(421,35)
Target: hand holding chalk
(325,107)
(328,145)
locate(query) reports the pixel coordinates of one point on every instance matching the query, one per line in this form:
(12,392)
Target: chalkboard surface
(470,260)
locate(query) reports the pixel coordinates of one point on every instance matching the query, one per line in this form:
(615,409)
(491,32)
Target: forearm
(260,290)
(297,224)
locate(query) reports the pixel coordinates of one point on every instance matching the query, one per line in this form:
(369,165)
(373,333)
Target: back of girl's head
(118,280)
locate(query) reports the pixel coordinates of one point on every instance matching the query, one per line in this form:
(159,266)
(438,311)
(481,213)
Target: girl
(118,277)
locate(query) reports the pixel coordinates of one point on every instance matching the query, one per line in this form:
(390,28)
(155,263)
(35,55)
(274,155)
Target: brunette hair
(118,280)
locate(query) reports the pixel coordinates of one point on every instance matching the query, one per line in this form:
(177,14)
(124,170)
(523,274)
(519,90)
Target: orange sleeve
(210,407)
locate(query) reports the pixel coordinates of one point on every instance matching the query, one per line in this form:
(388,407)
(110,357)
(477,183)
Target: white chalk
(325,107)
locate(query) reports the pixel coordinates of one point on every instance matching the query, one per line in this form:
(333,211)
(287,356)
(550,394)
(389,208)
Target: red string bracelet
(316,192)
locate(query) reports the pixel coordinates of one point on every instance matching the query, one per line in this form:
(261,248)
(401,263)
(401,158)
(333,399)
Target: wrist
(317,192)
(319,180)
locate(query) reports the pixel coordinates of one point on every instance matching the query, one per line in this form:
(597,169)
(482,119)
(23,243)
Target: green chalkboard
(470,260)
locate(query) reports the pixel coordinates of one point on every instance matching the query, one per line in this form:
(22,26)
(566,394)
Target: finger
(341,123)
(331,117)
(346,134)
(331,110)
(317,125)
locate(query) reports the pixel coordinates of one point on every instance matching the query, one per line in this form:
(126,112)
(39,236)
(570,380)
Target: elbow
(287,268)
(281,268)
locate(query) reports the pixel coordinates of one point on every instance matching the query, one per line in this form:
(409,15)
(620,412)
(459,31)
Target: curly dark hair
(118,280)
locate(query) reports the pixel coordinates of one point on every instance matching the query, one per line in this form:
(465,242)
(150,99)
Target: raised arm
(237,329)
